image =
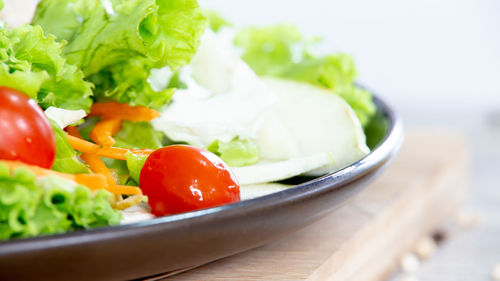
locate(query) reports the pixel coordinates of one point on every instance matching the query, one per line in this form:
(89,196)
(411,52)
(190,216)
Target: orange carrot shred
(38,171)
(124,189)
(123,111)
(113,152)
(73,131)
(97,166)
(95,163)
(107,152)
(82,145)
(92,181)
(103,132)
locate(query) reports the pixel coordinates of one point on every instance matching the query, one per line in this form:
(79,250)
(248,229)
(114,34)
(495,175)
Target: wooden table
(424,186)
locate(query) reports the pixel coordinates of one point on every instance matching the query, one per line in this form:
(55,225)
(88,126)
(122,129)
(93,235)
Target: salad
(116,111)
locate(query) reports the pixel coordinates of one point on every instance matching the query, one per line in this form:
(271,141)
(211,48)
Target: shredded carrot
(95,163)
(73,131)
(105,151)
(92,181)
(125,189)
(82,145)
(38,171)
(103,132)
(113,152)
(123,111)
(112,115)
(102,179)
(97,166)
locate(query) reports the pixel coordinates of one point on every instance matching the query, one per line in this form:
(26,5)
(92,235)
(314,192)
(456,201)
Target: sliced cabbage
(275,171)
(17,12)
(309,120)
(65,117)
(256,190)
(224,99)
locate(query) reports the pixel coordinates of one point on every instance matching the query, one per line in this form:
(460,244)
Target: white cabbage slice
(224,98)
(64,117)
(256,190)
(299,128)
(275,171)
(309,120)
(136,213)
(18,12)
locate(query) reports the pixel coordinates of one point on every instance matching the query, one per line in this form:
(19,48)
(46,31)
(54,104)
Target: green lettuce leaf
(282,51)
(34,64)
(138,135)
(127,82)
(66,160)
(135,162)
(117,42)
(237,152)
(49,205)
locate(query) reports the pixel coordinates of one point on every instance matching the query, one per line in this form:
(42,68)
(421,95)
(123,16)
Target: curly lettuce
(50,205)
(33,63)
(118,42)
(282,51)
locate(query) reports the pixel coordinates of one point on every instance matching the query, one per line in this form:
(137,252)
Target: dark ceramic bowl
(181,241)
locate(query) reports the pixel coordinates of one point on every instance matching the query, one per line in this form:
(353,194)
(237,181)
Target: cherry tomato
(182,178)
(25,132)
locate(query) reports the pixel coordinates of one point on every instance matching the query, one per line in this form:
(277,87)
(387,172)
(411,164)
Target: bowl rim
(381,155)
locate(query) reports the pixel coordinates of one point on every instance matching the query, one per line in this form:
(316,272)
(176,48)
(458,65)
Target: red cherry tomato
(25,132)
(182,178)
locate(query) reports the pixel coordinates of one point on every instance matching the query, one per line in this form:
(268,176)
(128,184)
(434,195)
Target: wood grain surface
(363,240)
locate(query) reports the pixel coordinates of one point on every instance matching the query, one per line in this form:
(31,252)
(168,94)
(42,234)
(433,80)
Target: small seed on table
(409,263)
(425,247)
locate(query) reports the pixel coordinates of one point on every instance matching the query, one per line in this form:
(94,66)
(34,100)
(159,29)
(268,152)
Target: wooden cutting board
(363,240)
